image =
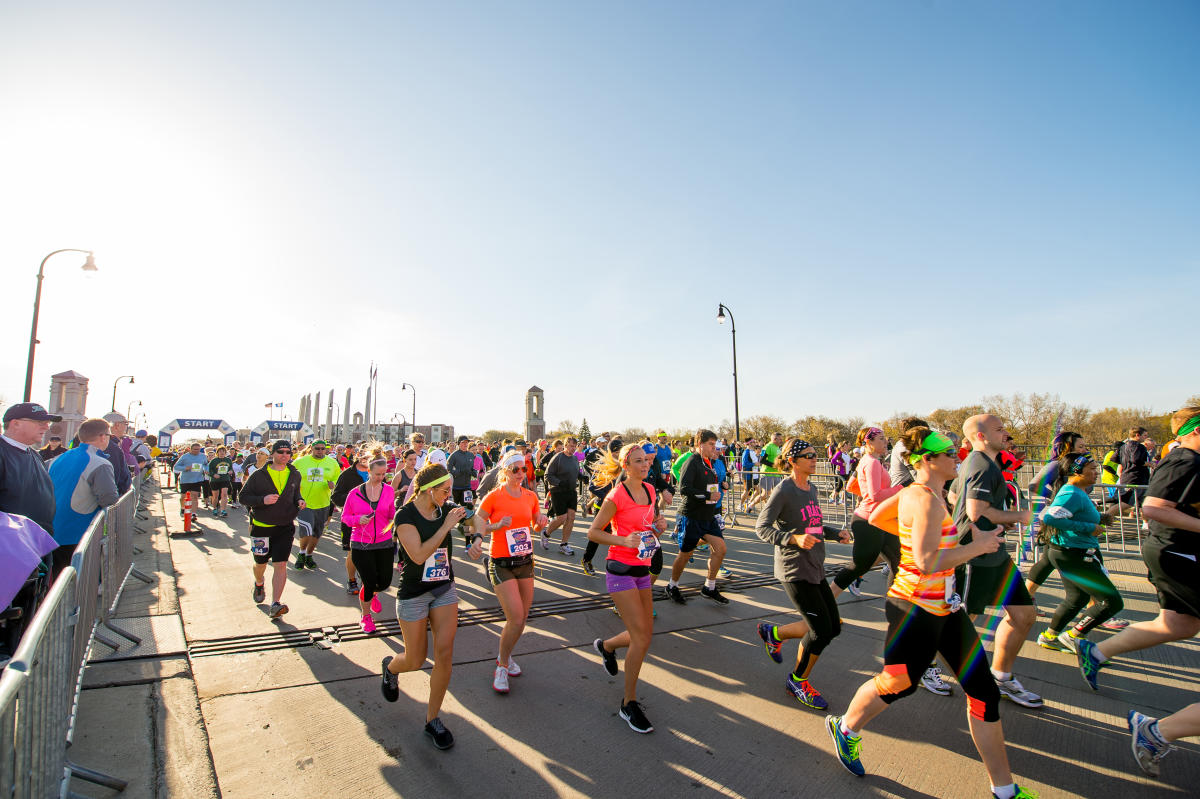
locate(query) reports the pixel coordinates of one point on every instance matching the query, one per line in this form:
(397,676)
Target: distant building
(535,414)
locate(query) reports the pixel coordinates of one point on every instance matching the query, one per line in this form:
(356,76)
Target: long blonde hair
(609,468)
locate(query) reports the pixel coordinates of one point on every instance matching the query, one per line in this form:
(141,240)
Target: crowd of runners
(932,509)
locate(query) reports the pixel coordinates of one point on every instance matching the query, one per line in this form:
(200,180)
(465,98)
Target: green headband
(433,483)
(934,444)
(1188,427)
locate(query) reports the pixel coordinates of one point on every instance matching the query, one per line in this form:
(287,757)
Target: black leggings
(234,488)
(869,543)
(1083,577)
(375,568)
(915,635)
(1041,571)
(818,607)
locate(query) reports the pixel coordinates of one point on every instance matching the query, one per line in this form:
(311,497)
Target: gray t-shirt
(979,477)
(791,510)
(898,468)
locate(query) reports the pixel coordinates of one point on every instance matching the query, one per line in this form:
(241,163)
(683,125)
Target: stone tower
(535,415)
(68,399)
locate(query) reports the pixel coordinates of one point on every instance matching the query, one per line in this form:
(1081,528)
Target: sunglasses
(283,452)
(516,469)
(808,456)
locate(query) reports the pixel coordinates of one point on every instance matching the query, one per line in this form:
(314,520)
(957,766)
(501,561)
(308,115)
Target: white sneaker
(500,681)
(545,542)
(565,549)
(932,682)
(513,669)
(854,589)
(1016,692)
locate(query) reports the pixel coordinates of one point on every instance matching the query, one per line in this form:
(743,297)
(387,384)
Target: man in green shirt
(318,475)
(771,476)
(220,479)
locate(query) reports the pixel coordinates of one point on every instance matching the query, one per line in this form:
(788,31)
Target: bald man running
(980,498)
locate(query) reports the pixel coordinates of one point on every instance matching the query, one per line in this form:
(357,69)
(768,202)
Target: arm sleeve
(766,527)
(875,476)
(689,482)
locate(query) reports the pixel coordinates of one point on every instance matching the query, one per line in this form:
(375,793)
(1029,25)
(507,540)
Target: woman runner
(426,598)
(632,510)
(509,513)
(792,522)
(368,512)
(925,617)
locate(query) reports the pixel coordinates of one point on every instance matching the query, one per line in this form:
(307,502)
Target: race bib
(712,489)
(223,469)
(315,474)
(666,466)
(519,541)
(437,568)
(951,596)
(196,467)
(720,522)
(468,496)
(258,546)
(648,546)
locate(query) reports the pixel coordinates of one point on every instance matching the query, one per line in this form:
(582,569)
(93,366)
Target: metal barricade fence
(36,691)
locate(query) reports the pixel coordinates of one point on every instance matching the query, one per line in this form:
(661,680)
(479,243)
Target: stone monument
(68,399)
(535,415)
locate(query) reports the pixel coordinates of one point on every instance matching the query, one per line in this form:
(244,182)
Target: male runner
(272,496)
(318,475)
(562,480)
(701,491)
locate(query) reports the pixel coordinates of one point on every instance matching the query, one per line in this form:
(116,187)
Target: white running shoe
(932,682)
(1013,689)
(500,681)
(513,669)
(565,549)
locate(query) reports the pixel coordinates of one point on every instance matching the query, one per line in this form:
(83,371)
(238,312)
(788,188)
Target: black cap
(461,439)
(29,410)
(615,445)
(520,442)
(282,443)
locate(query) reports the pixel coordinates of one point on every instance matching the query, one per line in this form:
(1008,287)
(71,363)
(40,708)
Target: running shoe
(310,563)
(1020,794)
(674,593)
(260,594)
(1089,667)
(352,587)
(805,693)
(1013,689)
(376,605)
(609,658)
(368,623)
(438,733)
(588,568)
(1147,749)
(513,669)
(300,563)
(545,542)
(216,512)
(1048,640)
(277,610)
(500,680)
(1115,624)
(724,573)
(635,718)
(703,548)
(767,633)
(1069,641)
(848,749)
(714,594)
(932,682)
(565,549)
(391,684)
(854,588)
(885,570)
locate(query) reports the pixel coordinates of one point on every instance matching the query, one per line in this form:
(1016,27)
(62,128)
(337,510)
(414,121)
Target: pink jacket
(375,532)
(875,485)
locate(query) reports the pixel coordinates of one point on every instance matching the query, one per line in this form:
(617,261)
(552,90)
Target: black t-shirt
(220,470)
(413,580)
(1177,479)
(979,477)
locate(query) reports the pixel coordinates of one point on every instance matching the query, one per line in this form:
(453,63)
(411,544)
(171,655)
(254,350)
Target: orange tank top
(932,592)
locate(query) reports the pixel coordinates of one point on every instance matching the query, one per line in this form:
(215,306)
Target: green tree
(496,436)
(585,432)
(565,428)
(762,426)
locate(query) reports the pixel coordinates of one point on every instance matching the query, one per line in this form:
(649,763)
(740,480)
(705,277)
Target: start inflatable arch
(173,427)
(272,426)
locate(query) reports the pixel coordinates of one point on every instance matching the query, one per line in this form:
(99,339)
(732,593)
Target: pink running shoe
(376,607)
(368,623)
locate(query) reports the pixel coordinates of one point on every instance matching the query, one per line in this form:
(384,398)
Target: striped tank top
(932,592)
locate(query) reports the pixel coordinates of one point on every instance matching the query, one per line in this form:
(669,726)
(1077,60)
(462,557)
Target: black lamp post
(413,418)
(723,309)
(88,266)
(118,380)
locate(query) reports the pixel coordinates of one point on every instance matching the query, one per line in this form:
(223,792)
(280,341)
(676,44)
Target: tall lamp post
(129,410)
(723,309)
(118,380)
(88,266)
(403,421)
(413,421)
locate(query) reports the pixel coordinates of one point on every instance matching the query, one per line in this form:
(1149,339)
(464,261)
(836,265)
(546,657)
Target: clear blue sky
(485,196)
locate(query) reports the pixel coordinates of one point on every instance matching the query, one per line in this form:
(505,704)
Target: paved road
(282,719)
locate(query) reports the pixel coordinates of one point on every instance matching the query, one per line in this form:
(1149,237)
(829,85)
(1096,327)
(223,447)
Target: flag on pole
(268,405)
(279,405)
(374,371)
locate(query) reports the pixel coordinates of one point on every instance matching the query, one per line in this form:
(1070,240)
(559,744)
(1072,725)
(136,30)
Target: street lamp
(118,380)
(413,421)
(88,266)
(722,309)
(129,410)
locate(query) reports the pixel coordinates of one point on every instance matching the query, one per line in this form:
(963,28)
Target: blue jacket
(83,484)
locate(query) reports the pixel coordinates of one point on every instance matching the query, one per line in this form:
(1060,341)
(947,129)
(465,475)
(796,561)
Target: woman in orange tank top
(925,618)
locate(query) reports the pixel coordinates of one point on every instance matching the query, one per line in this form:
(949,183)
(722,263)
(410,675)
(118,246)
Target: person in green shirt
(318,475)
(220,480)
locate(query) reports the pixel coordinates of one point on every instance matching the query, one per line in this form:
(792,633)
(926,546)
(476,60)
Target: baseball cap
(520,442)
(388,448)
(141,434)
(461,439)
(29,410)
(115,417)
(649,448)
(437,456)
(262,451)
